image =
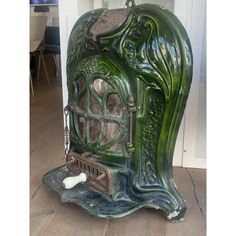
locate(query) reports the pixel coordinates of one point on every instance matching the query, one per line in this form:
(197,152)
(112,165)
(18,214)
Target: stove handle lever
(70,182)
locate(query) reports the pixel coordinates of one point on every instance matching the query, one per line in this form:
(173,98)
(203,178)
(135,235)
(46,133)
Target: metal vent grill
(98,175)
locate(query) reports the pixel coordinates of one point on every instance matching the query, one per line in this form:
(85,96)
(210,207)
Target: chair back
(52,36)
(37,27)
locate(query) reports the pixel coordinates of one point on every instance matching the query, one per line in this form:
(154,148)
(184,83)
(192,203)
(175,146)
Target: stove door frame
(92,68)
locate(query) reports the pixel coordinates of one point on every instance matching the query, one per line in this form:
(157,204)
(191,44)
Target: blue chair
(52,45)
(37,29)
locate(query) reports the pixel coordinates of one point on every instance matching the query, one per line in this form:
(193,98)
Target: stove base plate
(99,204)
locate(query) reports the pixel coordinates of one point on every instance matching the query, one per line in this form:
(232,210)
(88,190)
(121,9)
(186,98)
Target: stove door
(99,99)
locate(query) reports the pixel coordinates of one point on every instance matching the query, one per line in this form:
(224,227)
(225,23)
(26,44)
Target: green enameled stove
(128,75)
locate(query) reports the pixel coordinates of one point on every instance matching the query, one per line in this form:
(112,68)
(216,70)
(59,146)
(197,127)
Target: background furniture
(37,29)
(52,46)
(41,9)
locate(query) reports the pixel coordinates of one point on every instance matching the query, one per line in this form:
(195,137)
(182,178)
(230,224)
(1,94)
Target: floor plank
(140,223)
(49,216)
(194,223)
(71,220)
(46,130)
(199,179)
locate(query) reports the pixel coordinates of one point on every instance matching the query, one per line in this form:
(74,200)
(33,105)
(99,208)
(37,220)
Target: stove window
(100,115)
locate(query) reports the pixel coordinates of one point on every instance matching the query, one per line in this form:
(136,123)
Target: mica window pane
(111,130)
(94,105)
(82,126)
(101,86)
(82,101)
(114,107)
(94,129)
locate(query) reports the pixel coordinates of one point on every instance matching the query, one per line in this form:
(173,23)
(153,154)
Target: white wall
(192,14)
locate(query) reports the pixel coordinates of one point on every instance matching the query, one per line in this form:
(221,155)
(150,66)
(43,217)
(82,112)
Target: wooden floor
(49,216)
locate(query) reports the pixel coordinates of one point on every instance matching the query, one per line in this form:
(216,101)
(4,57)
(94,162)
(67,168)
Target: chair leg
(39,64)
(31,86)
(45,69)
(57,64)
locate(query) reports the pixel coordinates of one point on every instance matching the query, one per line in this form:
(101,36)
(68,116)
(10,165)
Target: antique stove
(129,73)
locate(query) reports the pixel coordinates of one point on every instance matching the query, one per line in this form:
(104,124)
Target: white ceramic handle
(70,182)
